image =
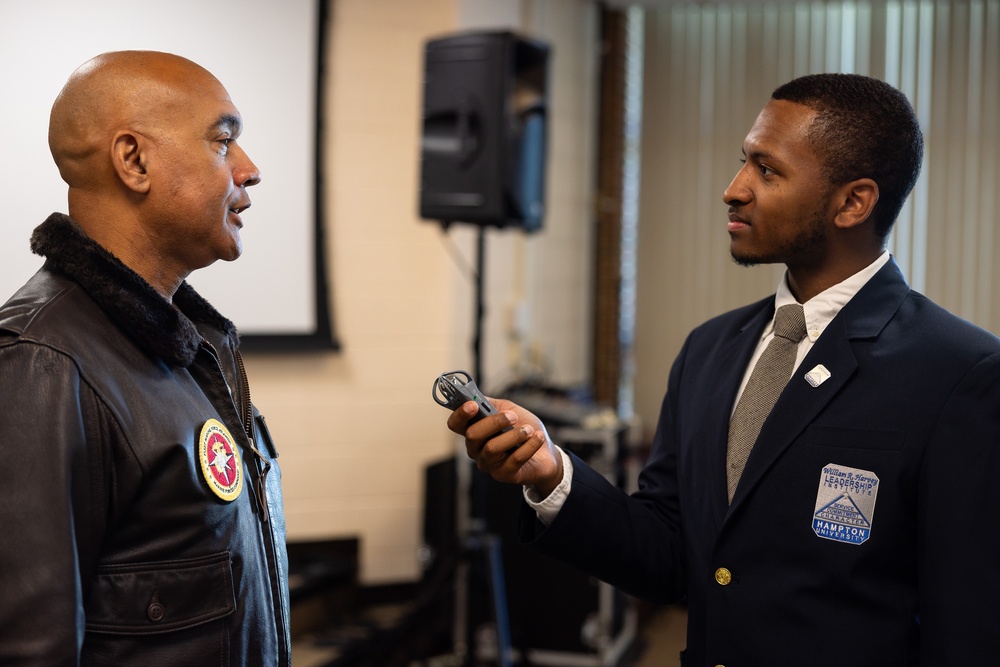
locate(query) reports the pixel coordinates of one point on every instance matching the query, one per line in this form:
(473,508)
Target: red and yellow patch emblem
(220,460)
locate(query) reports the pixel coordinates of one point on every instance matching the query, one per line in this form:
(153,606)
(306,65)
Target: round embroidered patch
(220,460)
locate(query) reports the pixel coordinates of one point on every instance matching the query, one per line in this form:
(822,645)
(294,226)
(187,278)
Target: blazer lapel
(864,316)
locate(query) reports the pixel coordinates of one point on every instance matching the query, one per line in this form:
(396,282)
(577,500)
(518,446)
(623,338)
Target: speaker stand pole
(477,341)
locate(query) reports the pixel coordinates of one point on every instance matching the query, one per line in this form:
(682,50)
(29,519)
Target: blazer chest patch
(845,504)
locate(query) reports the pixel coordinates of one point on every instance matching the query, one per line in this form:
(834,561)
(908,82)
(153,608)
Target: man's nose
(247,174)
(736,192)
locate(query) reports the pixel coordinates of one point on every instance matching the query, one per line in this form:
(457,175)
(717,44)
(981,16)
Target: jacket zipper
(261,489)
(263,467)
(247,405)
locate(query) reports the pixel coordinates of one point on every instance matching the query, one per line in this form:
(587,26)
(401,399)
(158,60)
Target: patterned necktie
(768,378)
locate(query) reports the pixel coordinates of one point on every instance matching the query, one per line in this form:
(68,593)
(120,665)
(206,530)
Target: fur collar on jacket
(157,326)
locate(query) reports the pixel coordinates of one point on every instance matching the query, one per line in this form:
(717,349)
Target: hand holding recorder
(506,441)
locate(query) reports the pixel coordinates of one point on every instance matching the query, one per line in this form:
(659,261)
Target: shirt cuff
(548,508)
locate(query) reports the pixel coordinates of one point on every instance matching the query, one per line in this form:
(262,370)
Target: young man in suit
(853,525)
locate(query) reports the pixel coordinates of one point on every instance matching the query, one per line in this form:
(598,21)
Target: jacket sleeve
(52,525)
(632,542)
(959,543)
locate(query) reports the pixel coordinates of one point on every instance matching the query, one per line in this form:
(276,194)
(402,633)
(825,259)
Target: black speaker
(483,145)
(440,511)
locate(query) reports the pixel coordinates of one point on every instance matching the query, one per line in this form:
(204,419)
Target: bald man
(140,498)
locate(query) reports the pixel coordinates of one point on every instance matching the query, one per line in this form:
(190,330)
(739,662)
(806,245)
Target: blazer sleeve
(958,538)
(632,542)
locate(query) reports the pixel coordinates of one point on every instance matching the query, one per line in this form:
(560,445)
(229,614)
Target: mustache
(734,216)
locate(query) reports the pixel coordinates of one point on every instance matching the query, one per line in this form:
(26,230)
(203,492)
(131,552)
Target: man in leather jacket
(140,497)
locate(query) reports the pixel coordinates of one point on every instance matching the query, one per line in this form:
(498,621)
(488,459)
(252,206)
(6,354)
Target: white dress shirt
(819,312)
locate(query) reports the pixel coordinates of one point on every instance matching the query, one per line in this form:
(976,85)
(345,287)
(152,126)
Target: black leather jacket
(115,548)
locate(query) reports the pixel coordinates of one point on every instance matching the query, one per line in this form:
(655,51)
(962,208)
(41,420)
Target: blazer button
(723,577)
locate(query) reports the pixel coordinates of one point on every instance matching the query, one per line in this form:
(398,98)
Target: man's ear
(856,201)
(128,155)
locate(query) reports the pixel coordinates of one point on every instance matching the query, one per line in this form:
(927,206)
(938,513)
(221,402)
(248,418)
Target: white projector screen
(266,53)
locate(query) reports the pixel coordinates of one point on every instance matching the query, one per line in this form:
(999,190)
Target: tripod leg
(498,590)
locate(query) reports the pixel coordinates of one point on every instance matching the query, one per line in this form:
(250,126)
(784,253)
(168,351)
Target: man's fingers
(458,422)
(491,454)
(504,456)
(459,419)
(488,427)
(516,458)
(499,447)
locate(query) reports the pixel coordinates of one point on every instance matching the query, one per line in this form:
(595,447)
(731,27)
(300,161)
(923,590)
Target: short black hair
(864,128)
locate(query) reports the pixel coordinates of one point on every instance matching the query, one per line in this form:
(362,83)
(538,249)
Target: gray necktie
(768,378)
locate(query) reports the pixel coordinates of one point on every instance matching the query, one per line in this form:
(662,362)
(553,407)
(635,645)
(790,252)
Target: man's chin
(746,260)
(230,255)
(234,249)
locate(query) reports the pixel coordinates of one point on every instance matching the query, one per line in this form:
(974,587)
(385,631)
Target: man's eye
(763,169)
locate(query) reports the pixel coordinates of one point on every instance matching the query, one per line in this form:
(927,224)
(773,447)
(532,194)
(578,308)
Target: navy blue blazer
(863,530)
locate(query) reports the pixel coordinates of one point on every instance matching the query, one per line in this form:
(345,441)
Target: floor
(307,655)
(660,641)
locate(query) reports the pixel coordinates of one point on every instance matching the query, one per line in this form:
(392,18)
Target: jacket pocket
(150,598)
(154,613)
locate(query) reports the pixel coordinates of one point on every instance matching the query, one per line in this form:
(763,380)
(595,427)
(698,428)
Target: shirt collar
(822,308)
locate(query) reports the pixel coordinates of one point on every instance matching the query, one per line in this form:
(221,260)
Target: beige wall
(356,428)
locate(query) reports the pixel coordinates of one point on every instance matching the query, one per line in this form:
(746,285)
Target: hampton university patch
(845,504)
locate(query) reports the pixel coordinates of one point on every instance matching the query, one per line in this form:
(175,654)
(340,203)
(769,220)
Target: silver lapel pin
(817,375)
